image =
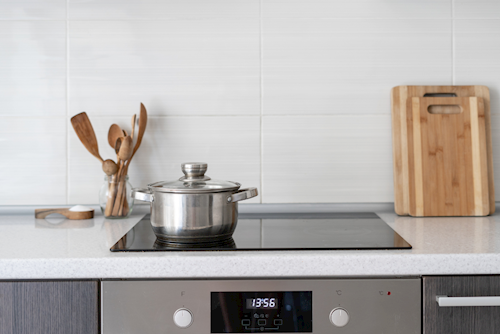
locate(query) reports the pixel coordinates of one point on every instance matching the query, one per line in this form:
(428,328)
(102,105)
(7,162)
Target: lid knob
(194,171)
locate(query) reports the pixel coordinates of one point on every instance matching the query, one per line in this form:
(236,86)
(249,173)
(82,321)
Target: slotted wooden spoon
(85,132)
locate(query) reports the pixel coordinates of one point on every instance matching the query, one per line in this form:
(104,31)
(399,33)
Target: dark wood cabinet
(461,319)
(49,307)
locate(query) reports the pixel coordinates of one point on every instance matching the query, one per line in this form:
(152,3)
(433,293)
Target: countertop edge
(294,264)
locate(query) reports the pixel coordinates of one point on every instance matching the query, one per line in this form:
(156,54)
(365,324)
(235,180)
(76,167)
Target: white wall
(291,96)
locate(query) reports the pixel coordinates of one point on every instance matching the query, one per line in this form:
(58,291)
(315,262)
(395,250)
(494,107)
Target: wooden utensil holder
(114,197)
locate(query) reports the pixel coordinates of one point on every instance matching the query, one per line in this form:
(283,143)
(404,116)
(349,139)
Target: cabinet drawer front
(460,319)
(55,307)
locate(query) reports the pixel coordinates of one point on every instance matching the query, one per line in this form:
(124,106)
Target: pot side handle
(142,194)
(242,194)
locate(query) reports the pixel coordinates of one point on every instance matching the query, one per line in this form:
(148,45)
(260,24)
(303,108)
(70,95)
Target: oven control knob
(183,318)
(339,317)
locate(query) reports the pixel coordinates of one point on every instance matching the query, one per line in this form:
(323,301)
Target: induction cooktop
(268,232)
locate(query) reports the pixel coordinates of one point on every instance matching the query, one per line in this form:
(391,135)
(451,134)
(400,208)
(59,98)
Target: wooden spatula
(85,132)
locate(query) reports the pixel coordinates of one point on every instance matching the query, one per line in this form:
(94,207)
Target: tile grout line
(244,17)
(452,42)
(261,107)
(67,104)
(211,116)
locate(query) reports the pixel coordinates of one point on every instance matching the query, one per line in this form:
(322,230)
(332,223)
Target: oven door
(376,306)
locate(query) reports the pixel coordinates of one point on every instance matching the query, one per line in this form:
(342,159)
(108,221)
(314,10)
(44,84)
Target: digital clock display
(261,312)
(262,303)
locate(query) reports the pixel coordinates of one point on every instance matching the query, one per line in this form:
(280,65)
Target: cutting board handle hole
(444,109)
(440,95)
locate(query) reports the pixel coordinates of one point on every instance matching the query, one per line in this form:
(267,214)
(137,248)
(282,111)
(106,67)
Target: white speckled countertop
(55,248)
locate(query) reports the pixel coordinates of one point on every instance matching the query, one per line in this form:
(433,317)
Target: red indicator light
(388,293)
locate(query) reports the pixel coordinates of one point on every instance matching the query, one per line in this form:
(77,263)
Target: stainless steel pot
(194,208)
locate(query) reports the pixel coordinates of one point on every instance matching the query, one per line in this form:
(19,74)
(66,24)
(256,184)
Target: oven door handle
(445,301)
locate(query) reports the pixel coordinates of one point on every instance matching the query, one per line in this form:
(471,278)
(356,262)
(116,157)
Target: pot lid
(194,181)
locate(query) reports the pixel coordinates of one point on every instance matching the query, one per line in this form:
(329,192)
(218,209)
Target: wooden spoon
(85,132)
(115,178)
(143,121)
(125,148)
(124,153)
(114,133)
(109,167)
(133,126)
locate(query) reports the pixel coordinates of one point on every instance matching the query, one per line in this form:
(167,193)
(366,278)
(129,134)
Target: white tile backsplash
(323,159)
(476,9)
(33,9)
(33,160)
(161,10)
(33,68)
(495,136)
(475,47)
(353,49)
(488,27)
(290,96)
(176,69)
(383,9)
(477,56)
(350,26)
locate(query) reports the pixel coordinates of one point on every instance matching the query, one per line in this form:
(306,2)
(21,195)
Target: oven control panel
(261,311)
(262,305)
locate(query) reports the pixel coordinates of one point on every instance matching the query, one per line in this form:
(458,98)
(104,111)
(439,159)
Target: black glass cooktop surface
(319,231)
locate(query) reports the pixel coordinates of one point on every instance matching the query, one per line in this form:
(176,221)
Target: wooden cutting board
(399,96)
(448,173)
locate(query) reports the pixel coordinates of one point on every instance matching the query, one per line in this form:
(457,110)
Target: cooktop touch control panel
(262,306)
